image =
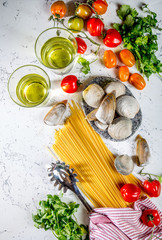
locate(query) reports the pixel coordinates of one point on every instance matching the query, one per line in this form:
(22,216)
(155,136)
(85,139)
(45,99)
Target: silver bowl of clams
(111,108)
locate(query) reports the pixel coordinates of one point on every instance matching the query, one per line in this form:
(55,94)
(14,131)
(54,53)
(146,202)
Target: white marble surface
(23,135)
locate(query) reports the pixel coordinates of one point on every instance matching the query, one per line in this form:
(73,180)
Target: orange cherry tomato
(127,58)
(110,59)
(123,73)
(137,81)
(100,6)
(83,11)
(58,9)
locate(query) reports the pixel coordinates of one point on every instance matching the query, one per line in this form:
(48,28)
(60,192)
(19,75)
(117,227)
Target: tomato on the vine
(69,84)
(110,59)
(123,73)
(152,188)
(137,81)
(127,58)
(112,38)
(58,9)
(83,11)
(150,217)
(130,192)
(95,26)
(82,46)
(100,6)
(76,23)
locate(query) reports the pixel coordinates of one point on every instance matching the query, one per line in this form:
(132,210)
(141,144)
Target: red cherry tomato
(100,6)
(130,192)
(152,188)
(69,84)
(150,217)
(137,81)
(112,38)
(58,9)
(82,46)
(95,26)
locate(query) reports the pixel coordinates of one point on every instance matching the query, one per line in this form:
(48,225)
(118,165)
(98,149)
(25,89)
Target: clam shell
(106,111)
(92,115)
(142,151)
(100,125)
(118,87)
(120,128)
(127,106)
(124,164)
(54,116)
(93,95)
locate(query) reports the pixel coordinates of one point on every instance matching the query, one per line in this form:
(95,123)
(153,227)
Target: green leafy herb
(58,217)
(138,37)
(85,64)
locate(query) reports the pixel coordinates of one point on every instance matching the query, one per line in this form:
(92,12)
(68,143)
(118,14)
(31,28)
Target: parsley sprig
(138,37)
(58,217)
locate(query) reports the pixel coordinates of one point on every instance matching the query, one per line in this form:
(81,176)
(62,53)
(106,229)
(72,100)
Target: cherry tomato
(69,84)
(95,26)
(83,11)
(112,38)
(110,59)
(100,6)
(127,58)
(76,23)
(130,192)
(137,81)
(58,9)
(150,217)
(82,46)
(152,188)
(123,73)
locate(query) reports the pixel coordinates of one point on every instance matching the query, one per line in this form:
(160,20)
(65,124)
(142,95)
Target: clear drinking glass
(56,48)
(29,86)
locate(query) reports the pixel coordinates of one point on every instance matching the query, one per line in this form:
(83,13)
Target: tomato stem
(150,174)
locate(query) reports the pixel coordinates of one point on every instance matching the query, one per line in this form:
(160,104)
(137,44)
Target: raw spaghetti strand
(80,146)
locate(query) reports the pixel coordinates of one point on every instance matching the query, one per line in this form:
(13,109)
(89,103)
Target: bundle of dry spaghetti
(78,145)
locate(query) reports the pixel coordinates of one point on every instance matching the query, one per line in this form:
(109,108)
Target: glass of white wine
(56,48)
(29,86)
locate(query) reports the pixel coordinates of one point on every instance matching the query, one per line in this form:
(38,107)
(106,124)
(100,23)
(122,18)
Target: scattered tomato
(127,58)
(69,84)
(123,73)
(83,11)
(110,59)
(112,38)
(137,81)
(152,188)
(130,192)
(150,217)
(58,9)
(82,46)
(76,23)
(95,26)
(100,6)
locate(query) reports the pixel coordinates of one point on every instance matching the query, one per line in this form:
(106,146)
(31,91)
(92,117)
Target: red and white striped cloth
(123,223)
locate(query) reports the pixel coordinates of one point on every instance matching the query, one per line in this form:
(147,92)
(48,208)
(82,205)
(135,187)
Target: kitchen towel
(123,223)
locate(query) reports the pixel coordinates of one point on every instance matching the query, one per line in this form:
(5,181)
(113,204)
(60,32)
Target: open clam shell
(92,115)
(124,164)
(127,106)
(54,116)
(118,87)
(100,125)
(93,95)
(106,111)
(120,128)
(142,151)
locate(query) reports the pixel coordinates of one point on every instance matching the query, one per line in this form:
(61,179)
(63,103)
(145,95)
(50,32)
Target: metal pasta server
(64,177)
